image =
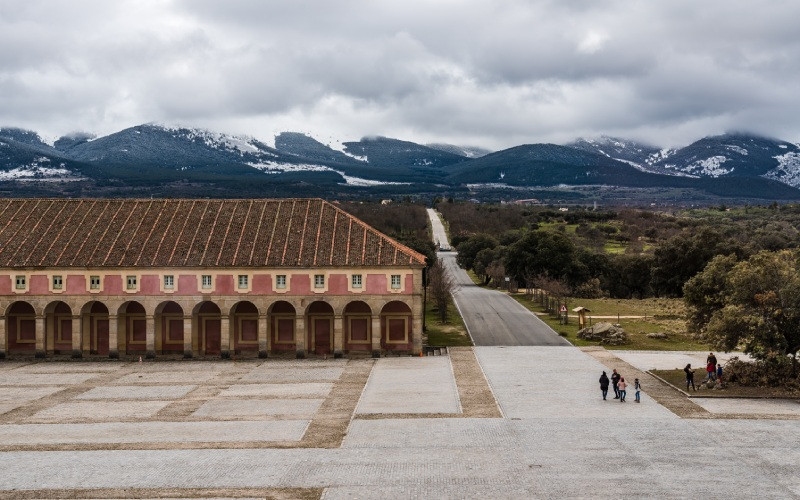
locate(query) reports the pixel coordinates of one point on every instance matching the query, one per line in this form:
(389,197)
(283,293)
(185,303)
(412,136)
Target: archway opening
(396,326)
(282,317)
(244,317)
(21,328)
(320,328)
(94,319)
(58,328)
(169,328)
(209,322)
(358,326)
(133,322)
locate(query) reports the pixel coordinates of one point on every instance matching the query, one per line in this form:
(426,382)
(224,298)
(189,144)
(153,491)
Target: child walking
(622,391)
(637,387)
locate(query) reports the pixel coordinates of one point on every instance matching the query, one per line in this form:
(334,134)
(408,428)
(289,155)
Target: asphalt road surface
(439,234)
(493,318)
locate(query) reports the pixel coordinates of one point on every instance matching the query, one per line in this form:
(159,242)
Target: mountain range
(162,160)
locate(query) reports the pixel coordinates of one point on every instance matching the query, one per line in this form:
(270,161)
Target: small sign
(563,309)
(508,279)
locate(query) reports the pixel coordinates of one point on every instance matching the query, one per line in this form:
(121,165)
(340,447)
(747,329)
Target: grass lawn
(637,329)
(474,277)
(452,333)
(677,378)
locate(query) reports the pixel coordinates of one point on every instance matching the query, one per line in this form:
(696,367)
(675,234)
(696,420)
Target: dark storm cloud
(489,73)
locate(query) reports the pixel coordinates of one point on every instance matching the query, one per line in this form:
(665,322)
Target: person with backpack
(622,389)
(638,388)
(689,376)
(604,385)
(615,382)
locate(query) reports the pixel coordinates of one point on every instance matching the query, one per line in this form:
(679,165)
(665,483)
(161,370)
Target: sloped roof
(63,233)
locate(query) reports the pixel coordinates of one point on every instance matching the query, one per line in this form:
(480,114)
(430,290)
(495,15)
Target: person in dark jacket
(689,376)
(615,381)
(712,360)
(604,385)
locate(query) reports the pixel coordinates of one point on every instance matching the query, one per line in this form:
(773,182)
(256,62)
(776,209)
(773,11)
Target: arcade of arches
(215,328)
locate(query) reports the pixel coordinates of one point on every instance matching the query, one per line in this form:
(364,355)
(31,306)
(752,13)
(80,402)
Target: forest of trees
(621,254)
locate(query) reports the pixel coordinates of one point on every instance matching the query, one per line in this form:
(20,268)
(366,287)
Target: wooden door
(322,335)
(99,339)
(212,330)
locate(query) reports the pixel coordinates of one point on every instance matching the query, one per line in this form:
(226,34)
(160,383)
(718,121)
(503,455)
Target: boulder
(606,333)
(657,335)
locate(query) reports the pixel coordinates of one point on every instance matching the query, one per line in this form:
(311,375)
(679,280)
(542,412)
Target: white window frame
(169,281)
(399,284)
(210,284)
(356,281)
(20,282)
(319,281)
(243,282)
(99,284)
(131,282)
(58,282)
(280,281)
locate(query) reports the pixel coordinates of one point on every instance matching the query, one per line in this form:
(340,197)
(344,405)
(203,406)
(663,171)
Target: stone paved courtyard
(387,428)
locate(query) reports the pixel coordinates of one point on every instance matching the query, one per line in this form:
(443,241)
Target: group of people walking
(713,372)
(617,381)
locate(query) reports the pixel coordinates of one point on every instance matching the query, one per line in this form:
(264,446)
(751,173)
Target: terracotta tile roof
(37,233)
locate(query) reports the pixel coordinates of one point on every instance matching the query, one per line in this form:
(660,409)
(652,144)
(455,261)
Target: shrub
(773,371)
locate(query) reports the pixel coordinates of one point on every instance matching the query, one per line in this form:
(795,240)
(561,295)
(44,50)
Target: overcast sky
(492,73)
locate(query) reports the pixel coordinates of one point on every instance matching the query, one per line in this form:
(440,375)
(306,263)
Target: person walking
(689,376)
(638,388)
(719,372)
(604,385)
(622,389)
(615,382)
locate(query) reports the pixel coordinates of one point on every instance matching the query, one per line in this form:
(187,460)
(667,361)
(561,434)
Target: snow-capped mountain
(465,151)
(140,159)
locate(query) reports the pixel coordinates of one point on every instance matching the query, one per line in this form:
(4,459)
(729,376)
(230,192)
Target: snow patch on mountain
(709,167)
(661,155)
(40,169)
(736,149)
(270,167)
(233,143)
(788,169)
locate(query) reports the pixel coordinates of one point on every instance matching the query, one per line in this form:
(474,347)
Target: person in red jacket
(711,371)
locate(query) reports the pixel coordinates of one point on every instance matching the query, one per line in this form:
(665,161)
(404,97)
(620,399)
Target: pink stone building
(91,277)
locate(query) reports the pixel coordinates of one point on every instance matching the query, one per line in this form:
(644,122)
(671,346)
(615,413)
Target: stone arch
(396,326)
(59,328)
(283,321)
(209,328)
(319,327)
(95,325)
(244,327)
(20,328)
(357,326)
(132,325)
(169,328)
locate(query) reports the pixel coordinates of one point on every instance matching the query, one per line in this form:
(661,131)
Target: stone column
(338,336)
(77,352)
(300,336)
(187,337)
(40,334)
(2,337)
(416,325)
(113,336)
(376,335)
(225,336)
(150,332)
(263,336)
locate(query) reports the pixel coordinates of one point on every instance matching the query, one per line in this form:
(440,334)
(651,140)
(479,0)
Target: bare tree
(441,287)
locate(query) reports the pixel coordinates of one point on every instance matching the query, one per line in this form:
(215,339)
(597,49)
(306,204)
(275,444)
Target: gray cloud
(493,74)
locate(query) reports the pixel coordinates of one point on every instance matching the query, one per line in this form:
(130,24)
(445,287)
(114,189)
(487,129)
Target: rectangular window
(319,281)
(206,281)
(395,281)
(131,282)
(280,281)
(94,282)
(356,281)
(169,281)
(242,281)
(57,283)
(20,283)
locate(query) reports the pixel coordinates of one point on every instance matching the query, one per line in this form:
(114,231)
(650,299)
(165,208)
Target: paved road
(493,318)
(439,234)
